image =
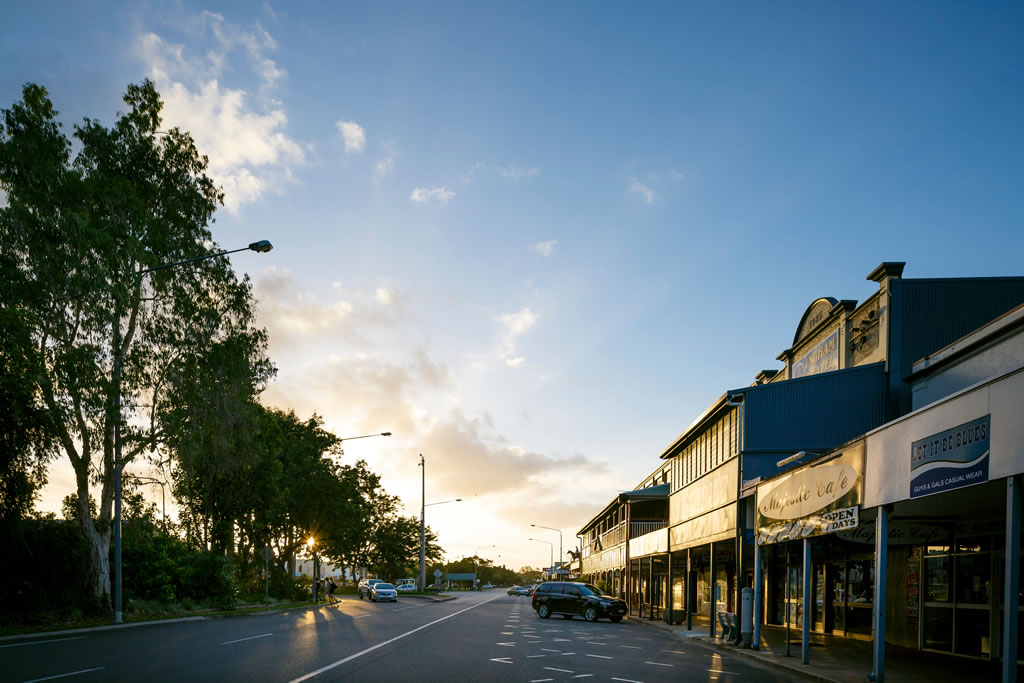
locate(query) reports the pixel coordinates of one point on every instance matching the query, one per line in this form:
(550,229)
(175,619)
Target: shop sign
(900,533)
(823,357)
(812,501)
(951,459)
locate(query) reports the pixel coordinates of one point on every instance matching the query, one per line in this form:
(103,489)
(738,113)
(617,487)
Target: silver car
(383,591)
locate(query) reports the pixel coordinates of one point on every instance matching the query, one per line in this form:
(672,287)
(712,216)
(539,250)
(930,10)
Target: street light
(163,501)
(316,565)
(539,540)
(559,542)
(260,247)
(423,526)
(350,438)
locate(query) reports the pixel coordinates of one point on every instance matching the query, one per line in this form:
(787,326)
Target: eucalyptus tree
(79,228)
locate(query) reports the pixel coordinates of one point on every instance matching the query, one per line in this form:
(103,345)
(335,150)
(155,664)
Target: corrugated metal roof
(813,413)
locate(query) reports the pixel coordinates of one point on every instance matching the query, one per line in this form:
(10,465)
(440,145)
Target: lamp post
(475,558)
(552,558)
(549,528)
(261,247)
(316,565)
(350,438)
(423,527)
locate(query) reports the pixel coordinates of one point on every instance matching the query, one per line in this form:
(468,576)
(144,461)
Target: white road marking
(503,660)
(568,653)
(541,680)
(507,633)
(249,638)
(565,671)
(601,656)
(534,656)
(717,671)
(322,669)
(43,642)
(632,647)
(560,640)
(547,649)
(595,643)
(506,644)
(583,675)
(658,664)
(363,616)
(412,607)
(625,680)
(73,673)
(675,652)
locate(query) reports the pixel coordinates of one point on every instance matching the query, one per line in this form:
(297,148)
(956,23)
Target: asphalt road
(479,636)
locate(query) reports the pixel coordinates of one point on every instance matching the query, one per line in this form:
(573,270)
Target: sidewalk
(842,660)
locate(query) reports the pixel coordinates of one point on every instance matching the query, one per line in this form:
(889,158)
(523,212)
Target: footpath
(838,660)
(201,617)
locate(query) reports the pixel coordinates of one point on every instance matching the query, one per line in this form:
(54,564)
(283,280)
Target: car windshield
(588,589)
(384,586)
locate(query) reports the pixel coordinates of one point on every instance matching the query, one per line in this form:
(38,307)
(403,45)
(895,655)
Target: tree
(78,232)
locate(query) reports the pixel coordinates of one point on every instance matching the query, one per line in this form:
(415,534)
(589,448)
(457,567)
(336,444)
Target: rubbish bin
(747,616)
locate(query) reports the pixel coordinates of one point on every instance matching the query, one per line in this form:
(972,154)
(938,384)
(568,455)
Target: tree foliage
(76,234)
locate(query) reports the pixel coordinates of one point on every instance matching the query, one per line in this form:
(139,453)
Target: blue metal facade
(815,413)
(929,314)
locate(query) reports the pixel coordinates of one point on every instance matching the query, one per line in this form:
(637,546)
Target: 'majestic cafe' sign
(812,501)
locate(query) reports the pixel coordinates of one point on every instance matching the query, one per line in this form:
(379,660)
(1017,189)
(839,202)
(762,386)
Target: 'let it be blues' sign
(951,459)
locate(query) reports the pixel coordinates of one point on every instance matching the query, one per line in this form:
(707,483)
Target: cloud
(386,164)
(638,187)
(675,175)
(545,248)
(516,324)
(421,195)
(516,172)
(353,134)
(515,362)
(249,150)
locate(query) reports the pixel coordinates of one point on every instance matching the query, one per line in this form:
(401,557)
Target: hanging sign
(812,501)
(951,459)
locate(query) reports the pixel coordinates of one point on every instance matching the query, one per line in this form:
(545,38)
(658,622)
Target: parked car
(405,587)
(571,599)
(366,585)
(383,591)
(488,585)
(519,590)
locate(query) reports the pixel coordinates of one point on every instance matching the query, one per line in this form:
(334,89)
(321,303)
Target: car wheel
(616,619)
(590,614)
(544,611)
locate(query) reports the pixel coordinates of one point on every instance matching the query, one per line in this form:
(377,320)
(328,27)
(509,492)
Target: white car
(383,591)
(405,587)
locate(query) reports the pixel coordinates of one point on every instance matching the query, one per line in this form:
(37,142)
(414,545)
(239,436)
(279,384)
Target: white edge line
(319,671)
(43,642)
(73,673)
(264,635)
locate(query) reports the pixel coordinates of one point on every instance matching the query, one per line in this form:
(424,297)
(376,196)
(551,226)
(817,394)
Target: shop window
(972,632)
(937,579)
(938,628)
(973,579)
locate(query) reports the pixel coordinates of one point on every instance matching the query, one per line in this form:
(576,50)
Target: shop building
(845,375)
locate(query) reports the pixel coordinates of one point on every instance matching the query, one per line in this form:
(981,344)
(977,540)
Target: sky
(536,240)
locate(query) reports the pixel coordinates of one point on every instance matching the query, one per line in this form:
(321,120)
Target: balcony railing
(614,536)
(641,528)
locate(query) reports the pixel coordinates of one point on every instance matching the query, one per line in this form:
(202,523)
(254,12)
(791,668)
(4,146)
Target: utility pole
(423,512)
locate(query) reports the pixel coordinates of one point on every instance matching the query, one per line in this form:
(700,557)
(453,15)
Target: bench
(730,629)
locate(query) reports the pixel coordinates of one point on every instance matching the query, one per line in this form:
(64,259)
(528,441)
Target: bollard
(747,616)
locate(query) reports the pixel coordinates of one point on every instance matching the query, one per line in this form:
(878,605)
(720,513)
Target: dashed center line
(565,671)
(625,680)
(601,656)
(675,652)
(632,647)
(249,638)
(534,656)
(659,664)
(583,675)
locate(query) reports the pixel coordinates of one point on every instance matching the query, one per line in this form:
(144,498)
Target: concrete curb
(748,656)
(107,627)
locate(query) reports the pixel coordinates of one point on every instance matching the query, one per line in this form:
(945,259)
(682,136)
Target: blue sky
(536,240)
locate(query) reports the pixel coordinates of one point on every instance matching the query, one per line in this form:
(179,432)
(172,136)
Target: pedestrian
(331,587)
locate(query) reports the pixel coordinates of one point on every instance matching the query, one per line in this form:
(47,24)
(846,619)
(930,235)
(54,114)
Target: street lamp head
(458,500)
(310,542)
(385,433)
(262,247)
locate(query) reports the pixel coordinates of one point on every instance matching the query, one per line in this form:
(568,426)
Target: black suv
(569,599)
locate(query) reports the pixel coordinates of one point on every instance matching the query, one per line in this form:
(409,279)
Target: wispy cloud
(514,326)
(421,195)
(353,135)
(516,172)
(638,187)
(389,155)
(249,150)
(515,362)
(545,248)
